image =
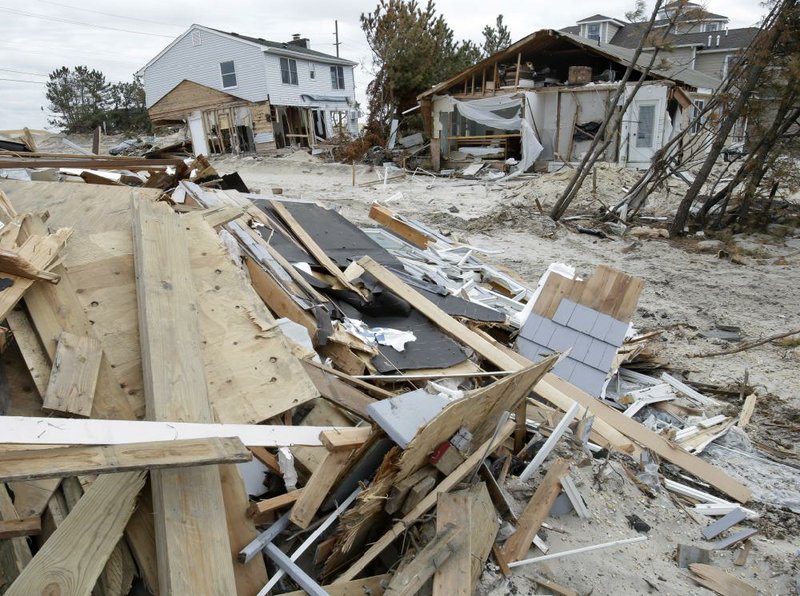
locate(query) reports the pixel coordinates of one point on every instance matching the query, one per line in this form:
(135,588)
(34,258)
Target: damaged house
(240,94)
(541,100)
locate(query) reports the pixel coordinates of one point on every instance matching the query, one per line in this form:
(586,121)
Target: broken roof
(544,40)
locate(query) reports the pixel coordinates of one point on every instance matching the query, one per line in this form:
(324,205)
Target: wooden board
(30,347)
(345,438)
(74,375)
(260,510)
(405,231)
(194,552)
(317,487)
(372,586)
(74,556)
(15,554)
(613,426)
(535,511)
(14,528)
(60,462)
(454,576)
(719,581)
(409,580)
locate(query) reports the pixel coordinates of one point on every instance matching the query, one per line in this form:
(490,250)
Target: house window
(712,27)
(228,71)
(593,31)
(312,71)
(289,71)
(196,38)
(337,77)
(699,105)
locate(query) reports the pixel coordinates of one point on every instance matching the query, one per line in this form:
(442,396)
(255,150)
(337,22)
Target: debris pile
(214,391)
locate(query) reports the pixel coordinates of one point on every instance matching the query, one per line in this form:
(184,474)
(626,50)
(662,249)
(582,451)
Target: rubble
(399,395)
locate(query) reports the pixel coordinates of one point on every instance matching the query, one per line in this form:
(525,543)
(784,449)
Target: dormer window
(593,31)
(712,27)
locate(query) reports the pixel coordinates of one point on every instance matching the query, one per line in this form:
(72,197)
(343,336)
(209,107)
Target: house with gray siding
(240,93)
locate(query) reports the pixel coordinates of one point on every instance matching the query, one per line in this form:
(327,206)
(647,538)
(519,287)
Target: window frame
(698,105)
(338,82)
(589,34)
(223,74)
(708,28)
(312,71)
(290,71)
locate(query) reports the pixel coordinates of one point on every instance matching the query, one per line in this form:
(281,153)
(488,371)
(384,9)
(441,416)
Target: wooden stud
(13,528)
(60,462)
(406,231)
(259,510)
(408,580)
(317,487)
(345,439)
(73,378)
(535,511)
(15,554)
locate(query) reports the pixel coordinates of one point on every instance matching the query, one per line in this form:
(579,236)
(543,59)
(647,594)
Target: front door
(643,131)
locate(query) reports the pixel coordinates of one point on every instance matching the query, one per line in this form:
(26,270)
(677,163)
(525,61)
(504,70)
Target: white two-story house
(240,93)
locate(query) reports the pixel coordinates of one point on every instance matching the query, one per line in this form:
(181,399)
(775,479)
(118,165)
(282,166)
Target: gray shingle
(601,326)
(564,312)
(544,332)
(616,333)
(581,347)
(563,339)
(582,318)
(564,368)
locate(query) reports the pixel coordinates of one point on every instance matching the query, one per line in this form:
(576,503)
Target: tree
(495,38)
(77,98)
(412,48)
(81,100)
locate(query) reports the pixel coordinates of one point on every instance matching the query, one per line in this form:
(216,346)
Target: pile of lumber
(215,393)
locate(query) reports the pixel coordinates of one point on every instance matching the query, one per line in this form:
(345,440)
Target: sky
(119,37)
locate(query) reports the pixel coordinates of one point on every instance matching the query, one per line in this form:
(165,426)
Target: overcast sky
(118,38)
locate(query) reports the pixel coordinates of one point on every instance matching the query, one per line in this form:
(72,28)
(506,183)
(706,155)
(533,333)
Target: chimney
(297,40)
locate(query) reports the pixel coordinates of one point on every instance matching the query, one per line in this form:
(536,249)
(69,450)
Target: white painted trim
(308,57)
(575,551)
(550,443)
(32,430)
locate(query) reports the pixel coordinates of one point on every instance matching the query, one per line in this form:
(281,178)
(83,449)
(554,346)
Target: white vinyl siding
(289,71)
(228,72)
(711,63)
(319,86)
(201,64)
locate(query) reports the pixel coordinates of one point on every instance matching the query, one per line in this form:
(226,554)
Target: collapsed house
(243,94)
(541,100)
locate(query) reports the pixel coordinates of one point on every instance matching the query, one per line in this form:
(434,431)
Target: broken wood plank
(15,554)
(266,458)
(747,410)
(374,586)
(74,556)
(73,378)
(535,511)
(429,501)
(78,431)
(453,578)
(345,439)
(317,487)
(408,580)
(717,580)
(60,462)
(259,509)
(13,263)
(13,528)
(397,226)
(741,558)
(191,539)
(30,347)
(417,493)
(399,491)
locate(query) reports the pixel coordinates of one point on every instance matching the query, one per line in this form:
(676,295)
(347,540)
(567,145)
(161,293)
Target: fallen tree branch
(746,346)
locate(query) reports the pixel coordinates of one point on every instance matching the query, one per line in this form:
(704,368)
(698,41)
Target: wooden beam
(374,586)
(31,430)
(317,487)
(73,378)
(60,462)
(410,579)
(192,545)
(612,425)
(15,264)
(453,577)
(14,528)
(345,439)
(14,554)
(536,510)
(259,510)
(338,392)
(391,222)
(429,501)
(74,556)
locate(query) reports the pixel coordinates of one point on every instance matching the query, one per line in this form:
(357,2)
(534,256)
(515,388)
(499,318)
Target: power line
(74,22)
(108,14)
(35,74)
(23,81)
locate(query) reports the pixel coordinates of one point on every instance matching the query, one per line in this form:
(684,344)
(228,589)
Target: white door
(198,133)
(642,143)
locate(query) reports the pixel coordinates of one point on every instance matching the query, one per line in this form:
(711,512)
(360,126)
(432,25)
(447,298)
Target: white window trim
(344,79)
(288,63)
(222,77)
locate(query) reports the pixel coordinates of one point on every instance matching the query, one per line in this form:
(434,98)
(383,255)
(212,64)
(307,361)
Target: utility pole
(336,33)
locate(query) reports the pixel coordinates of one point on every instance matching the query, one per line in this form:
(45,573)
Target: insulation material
(483,111)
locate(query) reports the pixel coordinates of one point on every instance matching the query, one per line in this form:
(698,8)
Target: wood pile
(210,392)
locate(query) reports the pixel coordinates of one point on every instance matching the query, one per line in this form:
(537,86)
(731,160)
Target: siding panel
(201,65)
(281,94)
(711,64)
